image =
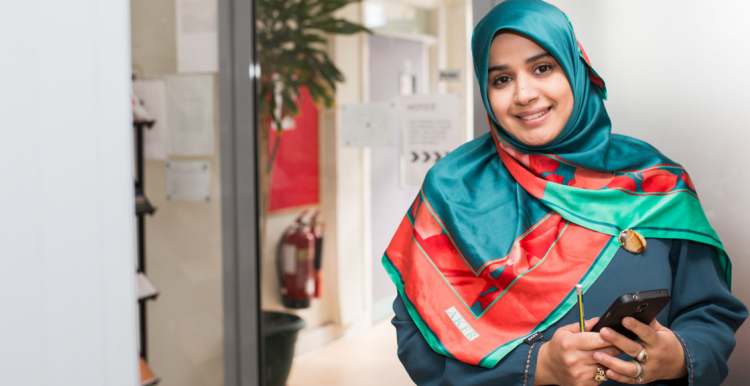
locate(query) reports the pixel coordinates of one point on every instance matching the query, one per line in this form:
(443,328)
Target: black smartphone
(643,306)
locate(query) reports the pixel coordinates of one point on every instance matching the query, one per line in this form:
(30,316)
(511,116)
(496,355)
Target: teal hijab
(585,138)
(498,222)
(586,143)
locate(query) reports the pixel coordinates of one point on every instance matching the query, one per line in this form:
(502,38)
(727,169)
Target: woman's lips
(534,117)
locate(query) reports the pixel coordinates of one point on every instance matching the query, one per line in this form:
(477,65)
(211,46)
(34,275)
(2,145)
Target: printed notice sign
(368,125)
(190,109)
(189,181)
(197,36)
(432,128)
(449,75)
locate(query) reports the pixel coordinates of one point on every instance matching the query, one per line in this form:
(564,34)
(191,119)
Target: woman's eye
(543,68)
(502,79)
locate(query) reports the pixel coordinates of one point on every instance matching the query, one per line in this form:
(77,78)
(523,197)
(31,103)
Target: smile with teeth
(535,116)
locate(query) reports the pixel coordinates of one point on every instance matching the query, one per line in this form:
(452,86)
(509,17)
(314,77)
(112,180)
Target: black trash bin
(279,335)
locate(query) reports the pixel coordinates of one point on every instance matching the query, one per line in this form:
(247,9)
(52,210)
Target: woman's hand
(666,359)
(567,359)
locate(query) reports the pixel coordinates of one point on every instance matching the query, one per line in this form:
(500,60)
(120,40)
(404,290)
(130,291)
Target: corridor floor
(367,360)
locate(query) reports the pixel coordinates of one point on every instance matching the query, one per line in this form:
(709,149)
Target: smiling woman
(488,257)
(528,90)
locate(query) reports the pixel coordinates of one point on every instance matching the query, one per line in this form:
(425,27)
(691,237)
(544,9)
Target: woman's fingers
(591,323)
(587,341)
(617,377)
(627,346)
(628,369)
(576,327)
(611,351)
(646,333)
(656,326)
(573,328)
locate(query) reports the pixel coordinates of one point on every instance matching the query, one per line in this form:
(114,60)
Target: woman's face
(527,89)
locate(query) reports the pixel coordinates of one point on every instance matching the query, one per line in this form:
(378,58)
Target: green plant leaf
(291,50)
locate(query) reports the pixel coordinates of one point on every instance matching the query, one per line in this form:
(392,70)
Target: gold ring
(601,375)
(642,356)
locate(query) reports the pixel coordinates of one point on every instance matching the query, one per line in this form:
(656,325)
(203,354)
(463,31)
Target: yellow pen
(579,292)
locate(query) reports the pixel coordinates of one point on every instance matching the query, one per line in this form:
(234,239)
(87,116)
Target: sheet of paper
(368,125)
(197,36)
(145,288)
(190,106)
(189,181)
(153,94)
(431,126)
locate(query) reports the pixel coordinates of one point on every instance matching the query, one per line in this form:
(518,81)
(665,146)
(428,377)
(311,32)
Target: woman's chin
(534,136)
(536,140)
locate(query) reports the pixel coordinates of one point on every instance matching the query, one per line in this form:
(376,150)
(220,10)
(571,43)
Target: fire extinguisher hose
(279,259)
(318,263)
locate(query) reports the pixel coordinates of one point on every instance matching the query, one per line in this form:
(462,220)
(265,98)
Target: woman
(487,258)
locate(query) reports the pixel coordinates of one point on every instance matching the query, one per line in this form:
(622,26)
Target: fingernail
(604,331)
(598,356)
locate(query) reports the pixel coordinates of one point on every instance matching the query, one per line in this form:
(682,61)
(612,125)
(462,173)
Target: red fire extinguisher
(296,264)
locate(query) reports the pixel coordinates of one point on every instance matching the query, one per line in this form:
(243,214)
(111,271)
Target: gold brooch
(632,241)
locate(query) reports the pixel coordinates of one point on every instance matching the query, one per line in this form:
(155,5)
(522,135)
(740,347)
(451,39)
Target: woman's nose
(525,92)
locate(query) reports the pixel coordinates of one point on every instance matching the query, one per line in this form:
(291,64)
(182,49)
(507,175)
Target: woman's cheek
(500,111)
(497,103)
(563,95)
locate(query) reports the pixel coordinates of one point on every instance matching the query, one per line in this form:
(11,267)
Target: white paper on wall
(189,181)
(197,36)
(368,125)
(431,128)
(145,288)
(190,106)
(153,94)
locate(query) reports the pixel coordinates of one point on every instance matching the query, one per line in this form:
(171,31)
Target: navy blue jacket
(703,314)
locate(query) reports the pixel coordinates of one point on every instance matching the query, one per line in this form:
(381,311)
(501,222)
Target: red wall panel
(296,173)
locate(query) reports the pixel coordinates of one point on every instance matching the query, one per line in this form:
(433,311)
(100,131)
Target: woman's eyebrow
(498,68)
(537,57)
(532,59)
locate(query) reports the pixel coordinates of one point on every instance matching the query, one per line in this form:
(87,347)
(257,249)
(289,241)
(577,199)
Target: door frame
(238,72)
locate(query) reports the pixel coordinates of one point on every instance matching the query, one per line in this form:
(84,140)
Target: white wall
(676,76)
(67,283)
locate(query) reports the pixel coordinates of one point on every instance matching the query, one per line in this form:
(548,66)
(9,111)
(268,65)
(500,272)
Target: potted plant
(291,44)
